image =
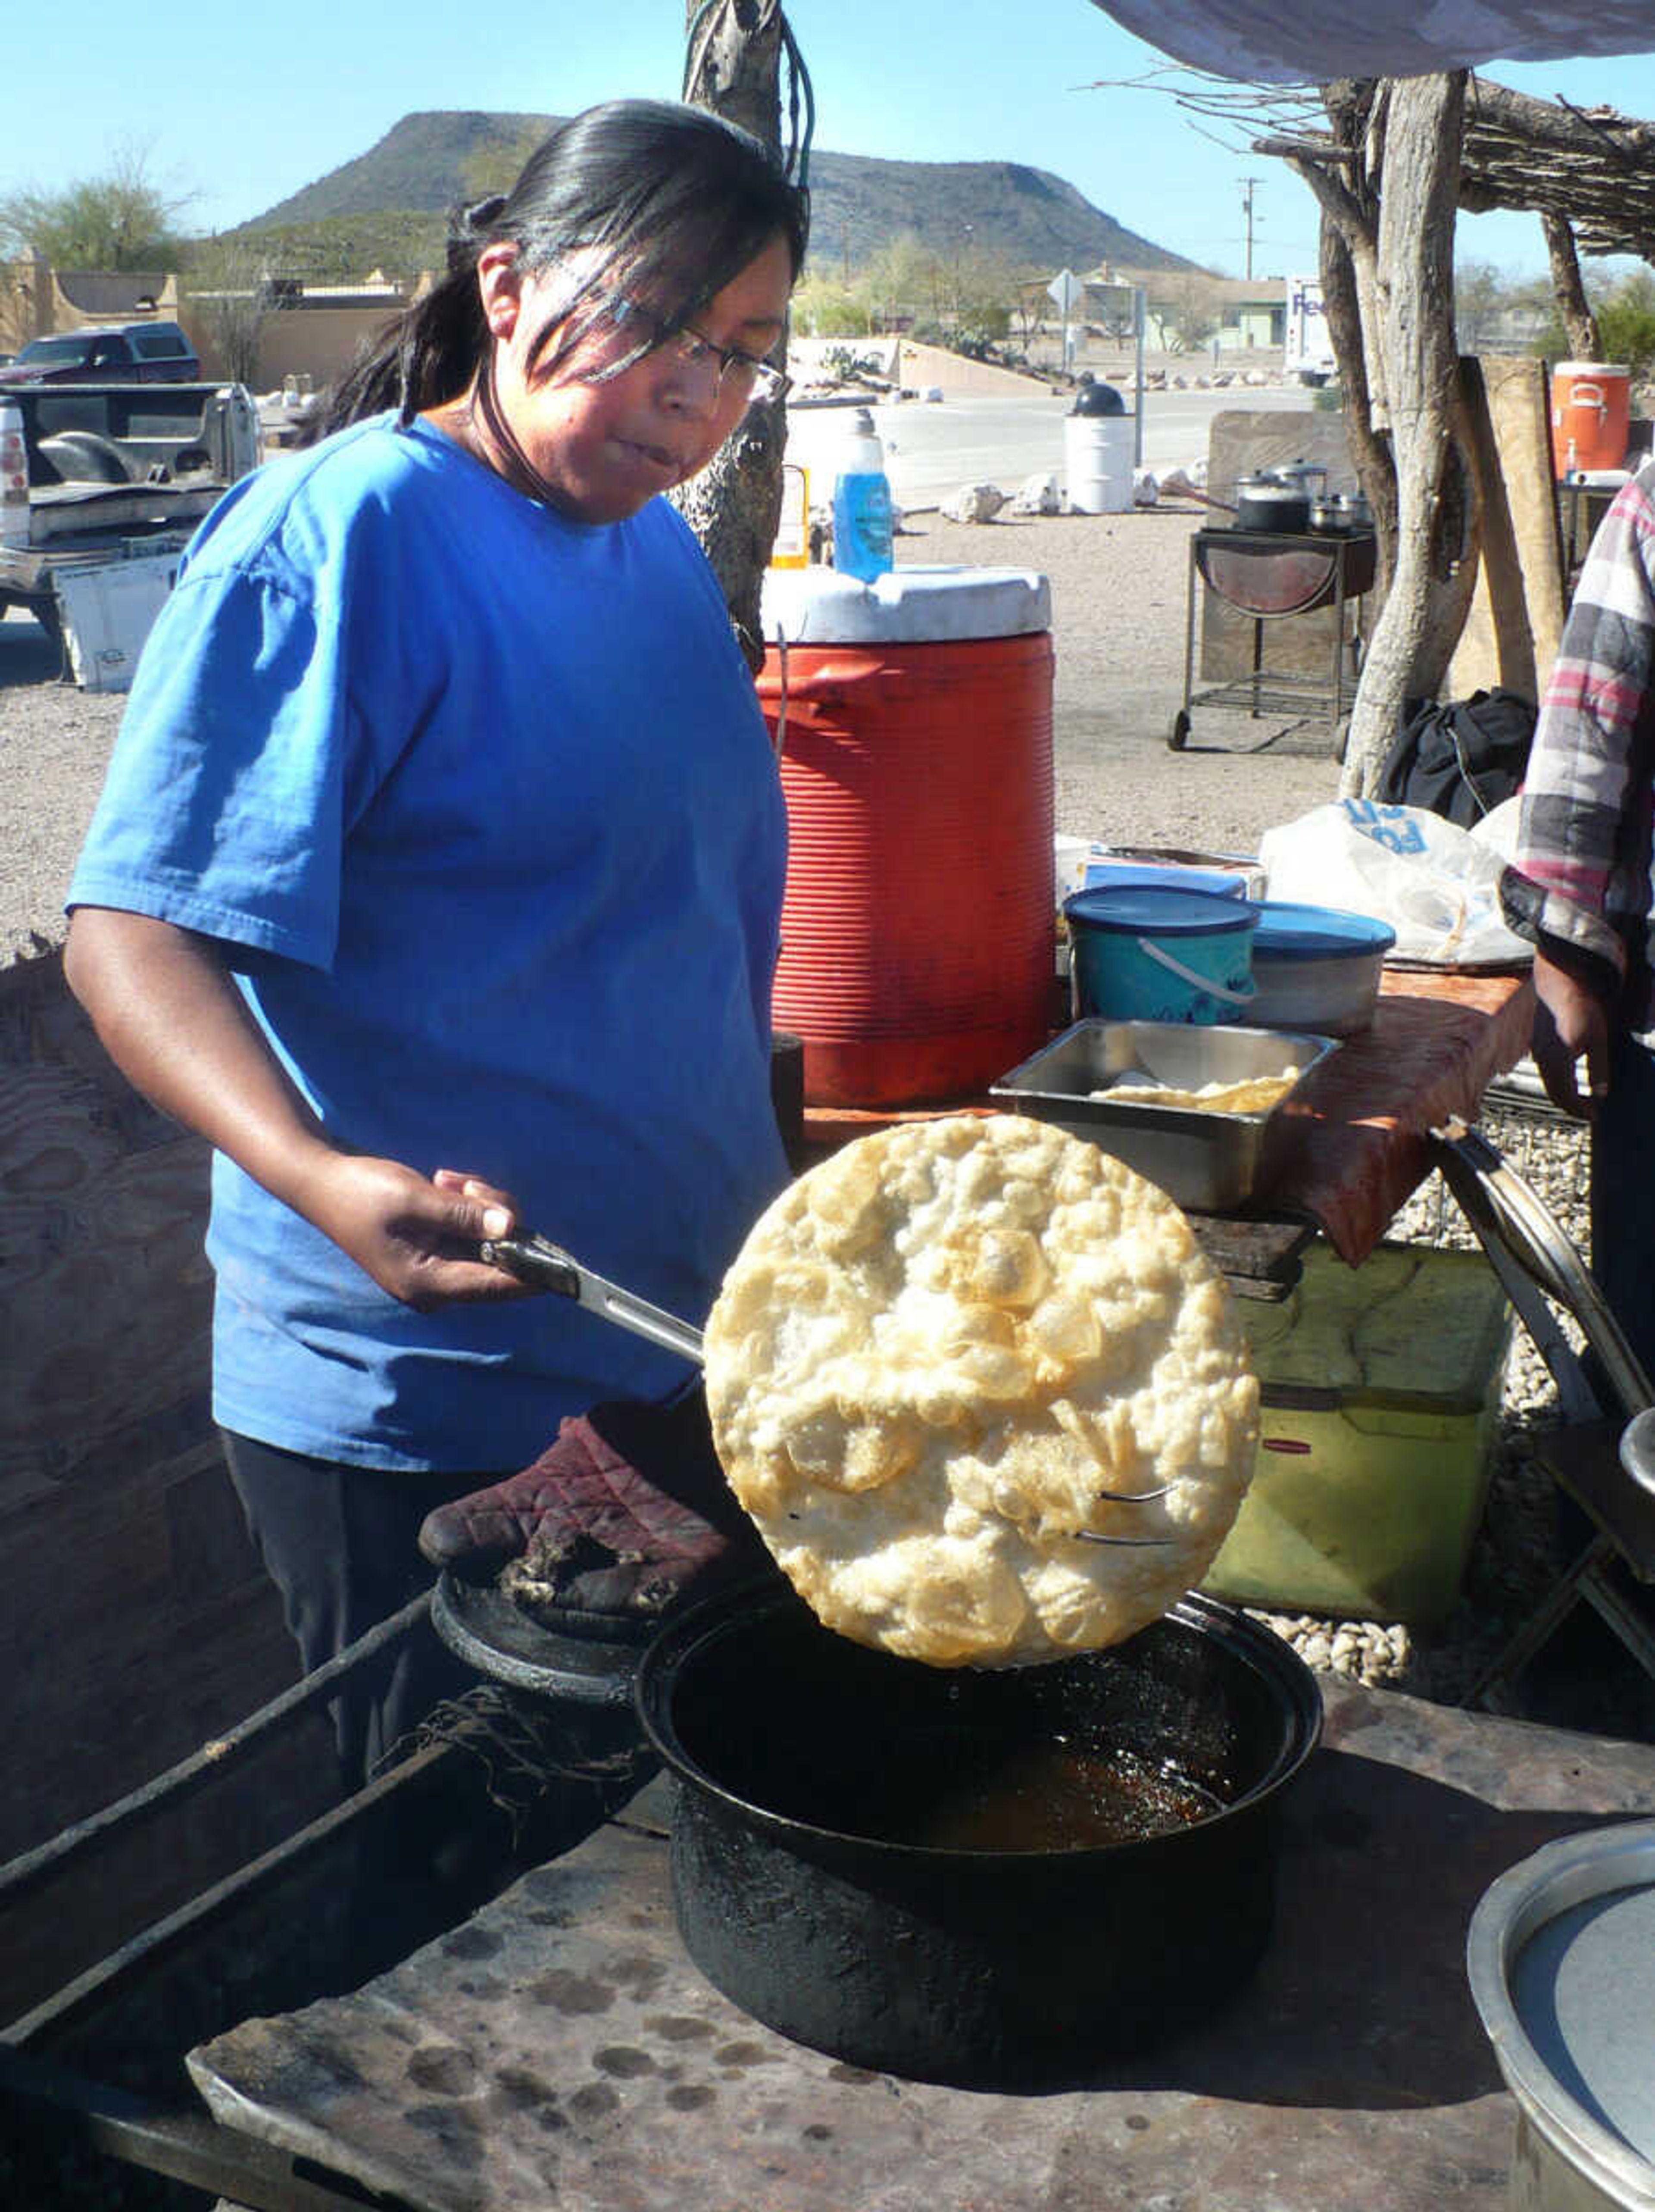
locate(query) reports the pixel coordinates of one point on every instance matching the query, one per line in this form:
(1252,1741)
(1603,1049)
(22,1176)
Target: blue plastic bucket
(1145,954)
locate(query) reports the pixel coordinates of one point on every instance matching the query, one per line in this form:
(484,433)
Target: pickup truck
(119,475)
(127,353)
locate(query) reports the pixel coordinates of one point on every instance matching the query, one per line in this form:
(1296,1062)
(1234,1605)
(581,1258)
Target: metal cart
(1601,1395)
(1272,576)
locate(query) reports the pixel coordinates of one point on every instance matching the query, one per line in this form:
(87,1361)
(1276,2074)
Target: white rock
(1038,495)
(1146,490)
(978,502)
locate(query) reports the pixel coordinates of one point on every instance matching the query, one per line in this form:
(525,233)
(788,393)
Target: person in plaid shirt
(1581,886)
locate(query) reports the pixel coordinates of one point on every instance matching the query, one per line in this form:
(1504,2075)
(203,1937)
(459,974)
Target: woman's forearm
(169,1015)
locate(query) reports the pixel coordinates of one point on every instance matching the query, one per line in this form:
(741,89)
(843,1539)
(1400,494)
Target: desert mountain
(427,161)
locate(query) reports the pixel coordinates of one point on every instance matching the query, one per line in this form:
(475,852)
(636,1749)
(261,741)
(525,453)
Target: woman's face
(602,450)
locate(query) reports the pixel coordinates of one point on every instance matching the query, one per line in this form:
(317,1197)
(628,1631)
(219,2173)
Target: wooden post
(1571,302)
(1369,452)
(1431,585)
(733,68)
(1346,188)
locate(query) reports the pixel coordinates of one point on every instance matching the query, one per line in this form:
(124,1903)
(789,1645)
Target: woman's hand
(417,1237)
(1571,1025)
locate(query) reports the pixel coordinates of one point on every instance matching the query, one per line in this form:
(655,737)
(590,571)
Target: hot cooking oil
(1053,1795)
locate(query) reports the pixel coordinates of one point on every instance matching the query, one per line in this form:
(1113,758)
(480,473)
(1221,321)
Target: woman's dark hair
(651,193)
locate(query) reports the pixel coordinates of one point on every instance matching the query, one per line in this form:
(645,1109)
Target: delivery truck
(1308,358)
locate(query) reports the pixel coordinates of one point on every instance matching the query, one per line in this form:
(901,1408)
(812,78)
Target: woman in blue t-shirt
(437,877)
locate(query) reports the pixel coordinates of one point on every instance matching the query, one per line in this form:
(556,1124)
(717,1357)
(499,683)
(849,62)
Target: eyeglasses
(736,371)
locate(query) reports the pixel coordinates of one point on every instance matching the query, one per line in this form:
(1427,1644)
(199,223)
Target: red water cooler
(914,718)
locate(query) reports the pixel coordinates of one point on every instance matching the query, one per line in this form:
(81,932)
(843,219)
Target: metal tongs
(537,1260)
(1518,1231)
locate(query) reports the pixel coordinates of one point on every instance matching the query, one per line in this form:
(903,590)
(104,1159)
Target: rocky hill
(402,188)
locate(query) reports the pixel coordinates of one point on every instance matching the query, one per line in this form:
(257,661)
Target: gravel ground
(1119,587)
(54,741)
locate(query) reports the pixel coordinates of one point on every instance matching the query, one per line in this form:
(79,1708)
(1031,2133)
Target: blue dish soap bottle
(862,503)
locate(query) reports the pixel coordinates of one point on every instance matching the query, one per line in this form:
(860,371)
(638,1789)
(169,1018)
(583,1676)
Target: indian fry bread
(947,1349)
(1256,1094)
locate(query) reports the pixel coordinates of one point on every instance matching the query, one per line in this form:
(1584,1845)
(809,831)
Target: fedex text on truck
(1308,354)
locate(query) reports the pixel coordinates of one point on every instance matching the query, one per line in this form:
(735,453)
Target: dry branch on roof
(1592,166)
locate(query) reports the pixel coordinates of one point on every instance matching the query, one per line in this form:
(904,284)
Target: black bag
(1459,758)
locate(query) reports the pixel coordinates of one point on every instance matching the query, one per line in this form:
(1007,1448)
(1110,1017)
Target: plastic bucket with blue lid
(1147,954)
(1317,968)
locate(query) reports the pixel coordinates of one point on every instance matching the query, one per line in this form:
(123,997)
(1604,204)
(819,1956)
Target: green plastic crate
(1380,1388)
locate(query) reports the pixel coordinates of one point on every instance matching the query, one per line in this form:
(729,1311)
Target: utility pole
(1249,185)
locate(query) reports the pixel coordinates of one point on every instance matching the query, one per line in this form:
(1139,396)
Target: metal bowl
(1317,968)
(1208,1161)
(1560,1957)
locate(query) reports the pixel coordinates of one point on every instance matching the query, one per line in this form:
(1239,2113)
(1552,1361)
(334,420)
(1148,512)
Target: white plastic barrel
(1098,463)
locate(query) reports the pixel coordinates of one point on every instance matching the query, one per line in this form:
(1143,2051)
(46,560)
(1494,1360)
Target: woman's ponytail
(428,353)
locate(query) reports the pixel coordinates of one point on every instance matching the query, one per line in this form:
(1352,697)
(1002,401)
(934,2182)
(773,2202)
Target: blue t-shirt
(482,803)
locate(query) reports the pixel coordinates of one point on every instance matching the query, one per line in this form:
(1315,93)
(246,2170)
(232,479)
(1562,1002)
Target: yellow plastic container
(1381,1390)
(792,547)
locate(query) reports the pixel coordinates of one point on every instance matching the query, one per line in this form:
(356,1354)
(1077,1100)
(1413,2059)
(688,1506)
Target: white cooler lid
(907,606)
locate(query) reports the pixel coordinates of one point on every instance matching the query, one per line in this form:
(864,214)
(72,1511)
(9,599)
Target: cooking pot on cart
(861,1856)
(1272,500)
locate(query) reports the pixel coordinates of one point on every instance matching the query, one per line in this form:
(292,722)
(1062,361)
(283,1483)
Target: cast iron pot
(984,1968)
(1267,501)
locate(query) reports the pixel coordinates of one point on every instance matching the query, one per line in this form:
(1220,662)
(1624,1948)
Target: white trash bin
(1098,463)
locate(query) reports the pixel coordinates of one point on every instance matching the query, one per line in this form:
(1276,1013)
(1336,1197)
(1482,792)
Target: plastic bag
(1437,884)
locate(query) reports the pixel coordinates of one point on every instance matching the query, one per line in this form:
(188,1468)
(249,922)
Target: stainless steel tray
(1208,1161)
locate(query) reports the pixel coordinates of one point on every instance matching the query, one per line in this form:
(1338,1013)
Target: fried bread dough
(949,1347)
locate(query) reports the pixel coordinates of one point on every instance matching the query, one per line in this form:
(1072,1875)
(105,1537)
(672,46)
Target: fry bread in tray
(1257,1094)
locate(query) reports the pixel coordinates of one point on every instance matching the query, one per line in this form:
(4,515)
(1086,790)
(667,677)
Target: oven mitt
(626,1512)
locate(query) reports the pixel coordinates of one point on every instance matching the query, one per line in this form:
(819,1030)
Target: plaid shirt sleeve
(1584,831)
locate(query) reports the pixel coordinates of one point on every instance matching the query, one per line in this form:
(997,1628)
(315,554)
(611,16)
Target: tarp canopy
(1311,42)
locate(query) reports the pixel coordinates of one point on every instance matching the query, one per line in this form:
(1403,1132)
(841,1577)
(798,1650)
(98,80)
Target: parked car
(110,352)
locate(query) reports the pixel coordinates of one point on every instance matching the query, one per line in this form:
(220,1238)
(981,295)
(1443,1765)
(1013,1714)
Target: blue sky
(243,108)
